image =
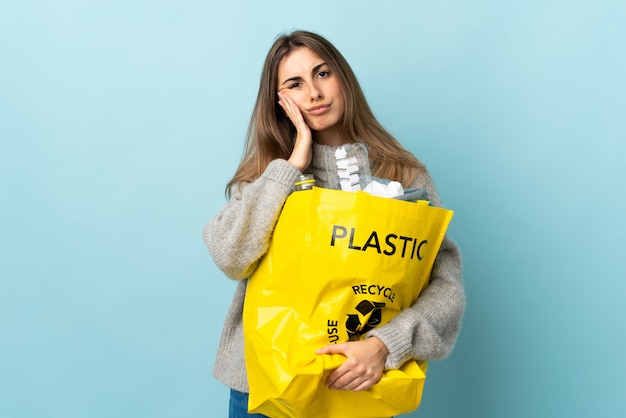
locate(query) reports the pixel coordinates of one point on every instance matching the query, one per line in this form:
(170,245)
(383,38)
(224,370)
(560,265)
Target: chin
(320,127)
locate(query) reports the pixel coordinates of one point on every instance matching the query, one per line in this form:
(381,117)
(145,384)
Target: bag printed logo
(366,315)
(369,315)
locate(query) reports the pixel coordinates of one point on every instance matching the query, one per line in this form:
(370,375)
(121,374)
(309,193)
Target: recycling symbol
(369,316)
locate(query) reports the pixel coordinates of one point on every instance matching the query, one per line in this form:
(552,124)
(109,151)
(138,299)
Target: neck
(331,137)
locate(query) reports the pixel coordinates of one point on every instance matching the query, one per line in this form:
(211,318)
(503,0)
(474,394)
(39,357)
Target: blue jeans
(238,406)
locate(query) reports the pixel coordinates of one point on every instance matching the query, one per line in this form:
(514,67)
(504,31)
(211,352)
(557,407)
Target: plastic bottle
(306,182)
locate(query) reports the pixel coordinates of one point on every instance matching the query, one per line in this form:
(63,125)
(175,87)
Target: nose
(315,92)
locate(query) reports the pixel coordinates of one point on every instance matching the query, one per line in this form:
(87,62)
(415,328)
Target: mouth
(318,110)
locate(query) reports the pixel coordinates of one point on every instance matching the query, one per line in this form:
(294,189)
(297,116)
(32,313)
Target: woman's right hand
(303,148)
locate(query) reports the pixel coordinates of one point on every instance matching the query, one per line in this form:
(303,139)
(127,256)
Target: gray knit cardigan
(239,235)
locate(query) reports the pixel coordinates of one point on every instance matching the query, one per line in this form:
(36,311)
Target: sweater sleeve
(239,235)
(428,329)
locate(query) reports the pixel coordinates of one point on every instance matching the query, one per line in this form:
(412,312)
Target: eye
(323,74)
(294,85)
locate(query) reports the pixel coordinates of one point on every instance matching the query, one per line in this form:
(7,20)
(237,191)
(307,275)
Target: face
(310,82)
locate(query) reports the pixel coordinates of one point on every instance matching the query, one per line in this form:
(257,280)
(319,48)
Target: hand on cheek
(302,150)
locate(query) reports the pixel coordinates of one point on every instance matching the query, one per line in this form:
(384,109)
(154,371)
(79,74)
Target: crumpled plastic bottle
(350,170)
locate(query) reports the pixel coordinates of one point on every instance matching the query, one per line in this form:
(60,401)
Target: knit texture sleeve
(239,235)
(428,329)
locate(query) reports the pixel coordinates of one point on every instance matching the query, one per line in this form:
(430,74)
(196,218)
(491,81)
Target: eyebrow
(298,78)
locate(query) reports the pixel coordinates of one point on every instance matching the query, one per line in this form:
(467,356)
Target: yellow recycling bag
(339,264)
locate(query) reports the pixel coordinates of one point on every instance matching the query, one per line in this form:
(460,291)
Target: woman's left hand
(364,365)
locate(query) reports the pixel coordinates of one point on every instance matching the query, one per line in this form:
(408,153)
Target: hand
(303,148)
(363,367)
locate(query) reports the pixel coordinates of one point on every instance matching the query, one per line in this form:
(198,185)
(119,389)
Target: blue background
(121,122)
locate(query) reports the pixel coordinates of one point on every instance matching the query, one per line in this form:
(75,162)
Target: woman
(310,102)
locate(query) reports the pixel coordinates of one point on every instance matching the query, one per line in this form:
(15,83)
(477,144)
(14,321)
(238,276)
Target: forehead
(298,62)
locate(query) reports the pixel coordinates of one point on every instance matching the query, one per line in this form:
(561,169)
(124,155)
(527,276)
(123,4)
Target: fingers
(363,367)
(292,111)
(302,151)
(353,375)
(332,349)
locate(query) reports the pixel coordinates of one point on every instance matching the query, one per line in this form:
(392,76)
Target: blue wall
(120,123)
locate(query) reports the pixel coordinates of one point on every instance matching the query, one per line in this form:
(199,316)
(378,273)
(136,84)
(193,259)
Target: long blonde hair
(271,134)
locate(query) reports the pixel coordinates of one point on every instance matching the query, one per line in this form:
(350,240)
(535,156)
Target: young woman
(310,102)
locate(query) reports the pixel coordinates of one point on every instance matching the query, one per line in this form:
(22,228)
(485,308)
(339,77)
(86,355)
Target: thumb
(332,349)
